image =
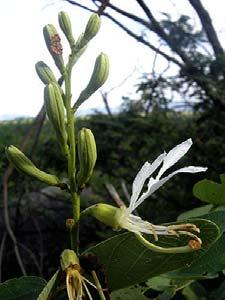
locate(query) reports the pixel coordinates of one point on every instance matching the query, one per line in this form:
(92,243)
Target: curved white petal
(156,184)
(174,155)
(144,173)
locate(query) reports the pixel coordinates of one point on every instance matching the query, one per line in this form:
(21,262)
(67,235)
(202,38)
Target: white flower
(133,223)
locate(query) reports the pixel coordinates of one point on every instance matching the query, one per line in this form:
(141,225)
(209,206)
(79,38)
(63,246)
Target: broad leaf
(127,262)
(23,288)
(162,282)
(213,260)
(132,293)
(210,191)
(195,212)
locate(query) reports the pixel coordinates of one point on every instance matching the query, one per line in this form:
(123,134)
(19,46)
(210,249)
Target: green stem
(76,217)
(75,197)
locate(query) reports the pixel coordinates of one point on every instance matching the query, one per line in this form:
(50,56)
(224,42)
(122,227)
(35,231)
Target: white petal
(174,155)
(144,173)
(156,184)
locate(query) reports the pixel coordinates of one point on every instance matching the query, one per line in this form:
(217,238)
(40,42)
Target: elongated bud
(87,155)
(98,78)
(65,25)
(68,259)
(45,73)
(107,214)
(55,110)
(92,27)
(23,164)
(53,43)
(91,30)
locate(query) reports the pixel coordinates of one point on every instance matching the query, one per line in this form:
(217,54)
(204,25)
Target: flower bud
(87,155)
(107,214)
(92,27)
(55,110)
(53,43)
(45,73)
(65,25)
(68,258)
(22,163)
(98,78)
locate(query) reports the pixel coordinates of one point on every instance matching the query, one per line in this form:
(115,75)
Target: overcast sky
(22,46)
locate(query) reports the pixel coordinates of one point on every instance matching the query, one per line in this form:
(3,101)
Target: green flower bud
(45,73)
(68,259)
(91,30)
(53,43)
(65,25)
(107,214)
(55,110)
(92,27)
(23,164)
(98,78)
(87,155)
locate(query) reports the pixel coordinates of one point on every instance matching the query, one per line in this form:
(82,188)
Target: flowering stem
(75,197)
(172,250)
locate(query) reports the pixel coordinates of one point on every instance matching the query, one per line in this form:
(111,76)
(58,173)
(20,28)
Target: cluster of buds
(54,100)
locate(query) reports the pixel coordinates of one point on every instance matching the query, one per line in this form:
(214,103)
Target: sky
(22,45)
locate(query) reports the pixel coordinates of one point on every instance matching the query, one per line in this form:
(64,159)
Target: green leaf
(162,282)
(49,288)
(127,262)
(213,260)
(23,288)
(210,191)
(195,212)
(132,293)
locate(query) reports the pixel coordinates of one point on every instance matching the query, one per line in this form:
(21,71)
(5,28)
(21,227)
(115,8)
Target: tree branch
(143,41)
(207,26)
(127,14)
(161,33)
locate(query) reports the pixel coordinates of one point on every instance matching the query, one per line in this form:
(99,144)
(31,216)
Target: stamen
(69,287)
(151,226)
(87,291)
(85,279)
(185,227)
